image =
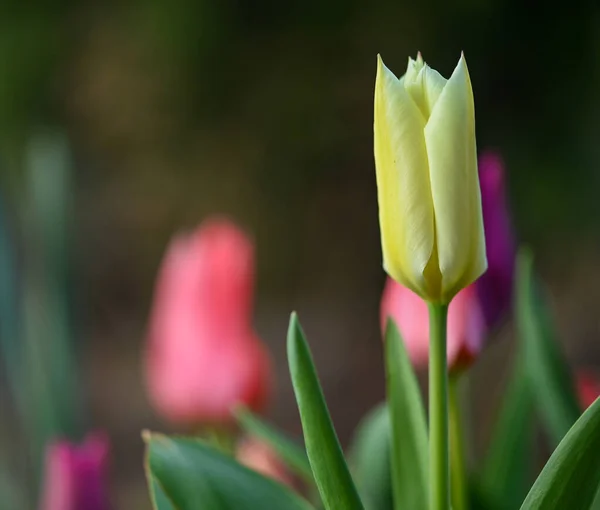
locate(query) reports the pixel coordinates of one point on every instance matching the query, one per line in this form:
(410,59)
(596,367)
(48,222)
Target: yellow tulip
(428,189)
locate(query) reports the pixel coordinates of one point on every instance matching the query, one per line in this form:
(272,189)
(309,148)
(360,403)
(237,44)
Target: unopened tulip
(75,475)
(496,285)
(466,325)
(259,456)
(203,355)
(588,388)
(428,189)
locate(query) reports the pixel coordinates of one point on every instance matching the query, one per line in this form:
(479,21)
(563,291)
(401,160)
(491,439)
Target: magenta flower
(75,475)
(495,286)
(203,356)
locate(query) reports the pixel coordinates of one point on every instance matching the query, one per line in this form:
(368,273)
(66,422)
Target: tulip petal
(424,86)
(405,204)
(450,142)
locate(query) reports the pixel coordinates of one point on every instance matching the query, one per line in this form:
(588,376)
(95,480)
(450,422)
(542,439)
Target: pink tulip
(466,324)
(203,356)
(259,456)
(75,476)
(588,388)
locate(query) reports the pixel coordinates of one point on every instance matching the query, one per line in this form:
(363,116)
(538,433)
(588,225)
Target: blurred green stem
(457,448)
(438,409)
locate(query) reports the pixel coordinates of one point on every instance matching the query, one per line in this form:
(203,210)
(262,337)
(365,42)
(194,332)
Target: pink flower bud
(466,324)
(259,456)
(588,388)
(203,356)
(75,476)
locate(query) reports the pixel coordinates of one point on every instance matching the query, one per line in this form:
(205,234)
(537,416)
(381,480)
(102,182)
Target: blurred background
(122,123)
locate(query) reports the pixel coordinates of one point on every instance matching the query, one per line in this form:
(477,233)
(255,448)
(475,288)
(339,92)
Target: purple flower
(75,475)
(496,285)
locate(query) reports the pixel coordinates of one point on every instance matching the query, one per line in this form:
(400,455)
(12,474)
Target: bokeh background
(122,123)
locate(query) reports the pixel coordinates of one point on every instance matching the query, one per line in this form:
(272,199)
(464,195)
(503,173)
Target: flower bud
(428,189)
(259,456)
(466,327)
(75,475)
(495,286)
(588,388)
(203,356)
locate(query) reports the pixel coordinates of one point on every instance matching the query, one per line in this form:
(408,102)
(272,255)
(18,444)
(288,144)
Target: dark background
(263,110)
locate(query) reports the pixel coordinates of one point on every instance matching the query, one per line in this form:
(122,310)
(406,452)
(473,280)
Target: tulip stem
(457,448)
(439,470)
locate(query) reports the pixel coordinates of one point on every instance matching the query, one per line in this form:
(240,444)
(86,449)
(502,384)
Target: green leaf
(507,467)
(325,455)
(550,378)
(195,476)
(370,459)
(571,477)
(409,426)
(293,455)
(160,501)
(596,503)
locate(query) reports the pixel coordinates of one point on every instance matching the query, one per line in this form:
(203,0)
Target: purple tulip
(75,475)
(496,285)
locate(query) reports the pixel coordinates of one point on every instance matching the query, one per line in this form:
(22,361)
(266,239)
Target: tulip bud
(496,285)
(203,356)
(466,326)
(75,476)
(259,456)
(588,389)
(428,189)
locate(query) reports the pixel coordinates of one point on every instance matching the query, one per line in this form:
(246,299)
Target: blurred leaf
(370,459)
(408,426)
(505,473)
(327,461)
(160,501)
(194,476)
(51,374)
(571,477)
(550,379)
(596,503)
(9,312)
(293,455)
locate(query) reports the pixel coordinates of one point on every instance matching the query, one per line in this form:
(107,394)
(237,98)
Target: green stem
(457,448)
(439,497)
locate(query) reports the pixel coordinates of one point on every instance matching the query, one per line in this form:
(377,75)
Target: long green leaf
(370,459)
(505,473)
(571,477)
(293,455)
(160,501)
(550,377)
(195,476)
(409,426)
(325,455)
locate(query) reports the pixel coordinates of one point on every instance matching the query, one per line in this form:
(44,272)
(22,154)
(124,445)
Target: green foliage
(571,477)
(408,426)
(187,474)
(293,455)
(370,459)
(506,472)
(550,378)
(329,468)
